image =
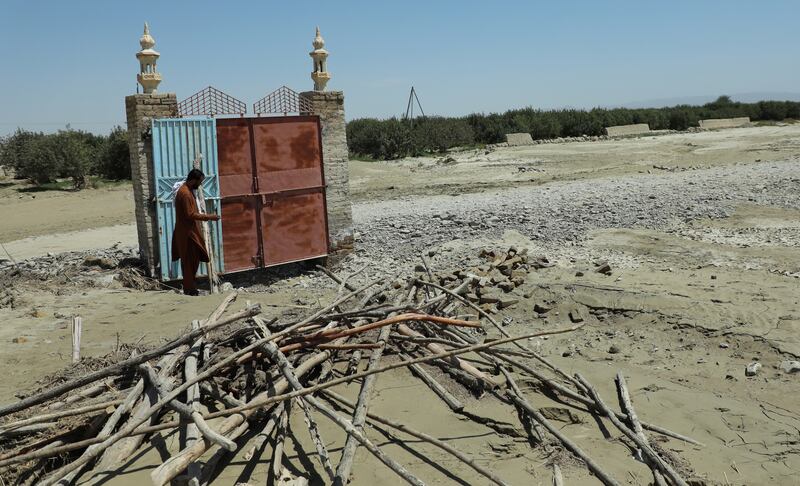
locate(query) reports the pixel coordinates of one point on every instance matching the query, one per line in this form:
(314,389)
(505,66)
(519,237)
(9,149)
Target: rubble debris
(752,369)
(790,366)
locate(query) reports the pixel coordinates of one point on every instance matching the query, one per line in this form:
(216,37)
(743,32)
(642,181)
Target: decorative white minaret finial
(320,75)
(148,77)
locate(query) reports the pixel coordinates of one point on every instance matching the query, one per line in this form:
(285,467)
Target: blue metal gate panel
(177,142)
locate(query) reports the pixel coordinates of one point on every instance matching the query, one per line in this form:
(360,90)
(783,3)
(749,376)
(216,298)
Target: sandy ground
(688,305)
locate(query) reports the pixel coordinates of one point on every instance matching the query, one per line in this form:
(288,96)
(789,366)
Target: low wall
(514,139)
(713,123)
(622,130)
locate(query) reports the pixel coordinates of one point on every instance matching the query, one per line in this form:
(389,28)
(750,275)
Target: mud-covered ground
(702,232)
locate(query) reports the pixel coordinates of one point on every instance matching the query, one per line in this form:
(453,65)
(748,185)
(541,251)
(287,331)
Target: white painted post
(77,323)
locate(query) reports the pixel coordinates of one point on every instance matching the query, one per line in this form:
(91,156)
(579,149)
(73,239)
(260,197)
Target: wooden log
(89,392)
(558,480)
(122,366)
(116,454)
(263,436)
(421,436)
(261,400)
(28,429)
(107,429)
(280,438)
(209,468)
(313,429)
(186,411)
(513,394)
(458,363)
(648,452)
(57,415)
(627,408)
(345,465)
(280,360)
(437,388)
(193,398)
(176,464)
(77,324)
(589,402)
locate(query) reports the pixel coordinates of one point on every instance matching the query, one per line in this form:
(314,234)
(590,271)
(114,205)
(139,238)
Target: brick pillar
(141,109)
(329,106)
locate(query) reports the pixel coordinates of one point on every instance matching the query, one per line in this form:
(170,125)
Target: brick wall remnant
(141,109)
(329,106)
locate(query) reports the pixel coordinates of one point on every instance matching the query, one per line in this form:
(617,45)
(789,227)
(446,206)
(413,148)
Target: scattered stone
(506,286)
(752,369)
(540,309)
(226,287)
(614,349)
(506,301)
(579,274)
(789,366)
(19,340)
(575,316)
(603,268)
(724,345)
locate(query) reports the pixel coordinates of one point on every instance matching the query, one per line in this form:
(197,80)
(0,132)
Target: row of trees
(393,138)
(77,155)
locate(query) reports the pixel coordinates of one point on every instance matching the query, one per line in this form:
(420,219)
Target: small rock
(579,274)
(506,301)
(19,340)
(614,349)
(506,286)
(575,316)
(724,345)
(790,366)
(540,309)
(226,287)
(752,369)
(603,268)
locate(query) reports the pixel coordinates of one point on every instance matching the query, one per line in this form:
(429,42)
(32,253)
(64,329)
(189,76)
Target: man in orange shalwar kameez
(187,239)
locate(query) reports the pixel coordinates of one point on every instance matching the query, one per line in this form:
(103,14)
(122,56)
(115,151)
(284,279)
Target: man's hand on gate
(215,217)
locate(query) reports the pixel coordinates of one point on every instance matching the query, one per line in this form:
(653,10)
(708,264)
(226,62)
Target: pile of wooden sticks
(248,370)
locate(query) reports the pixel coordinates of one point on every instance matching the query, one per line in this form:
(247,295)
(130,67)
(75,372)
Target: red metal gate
(272,188)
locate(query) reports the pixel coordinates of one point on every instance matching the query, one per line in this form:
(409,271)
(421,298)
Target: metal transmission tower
(412,96)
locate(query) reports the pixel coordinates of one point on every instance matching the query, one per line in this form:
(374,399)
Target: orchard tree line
(68,154)
(393,138)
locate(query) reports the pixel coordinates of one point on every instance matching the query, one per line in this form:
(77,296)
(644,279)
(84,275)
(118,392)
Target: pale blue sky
(73,61)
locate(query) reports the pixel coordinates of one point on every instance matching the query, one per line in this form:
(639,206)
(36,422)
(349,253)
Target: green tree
(76,156)
(113,161)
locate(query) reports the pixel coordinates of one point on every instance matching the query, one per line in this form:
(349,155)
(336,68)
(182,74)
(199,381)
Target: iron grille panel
(211,102)
(282,101)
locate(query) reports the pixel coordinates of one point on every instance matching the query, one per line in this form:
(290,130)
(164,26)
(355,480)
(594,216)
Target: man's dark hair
(195,175)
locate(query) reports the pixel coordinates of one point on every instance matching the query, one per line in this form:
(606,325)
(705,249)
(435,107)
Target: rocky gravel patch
(558,216)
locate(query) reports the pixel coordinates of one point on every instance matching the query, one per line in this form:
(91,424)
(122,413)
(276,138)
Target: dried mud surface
(702,232)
